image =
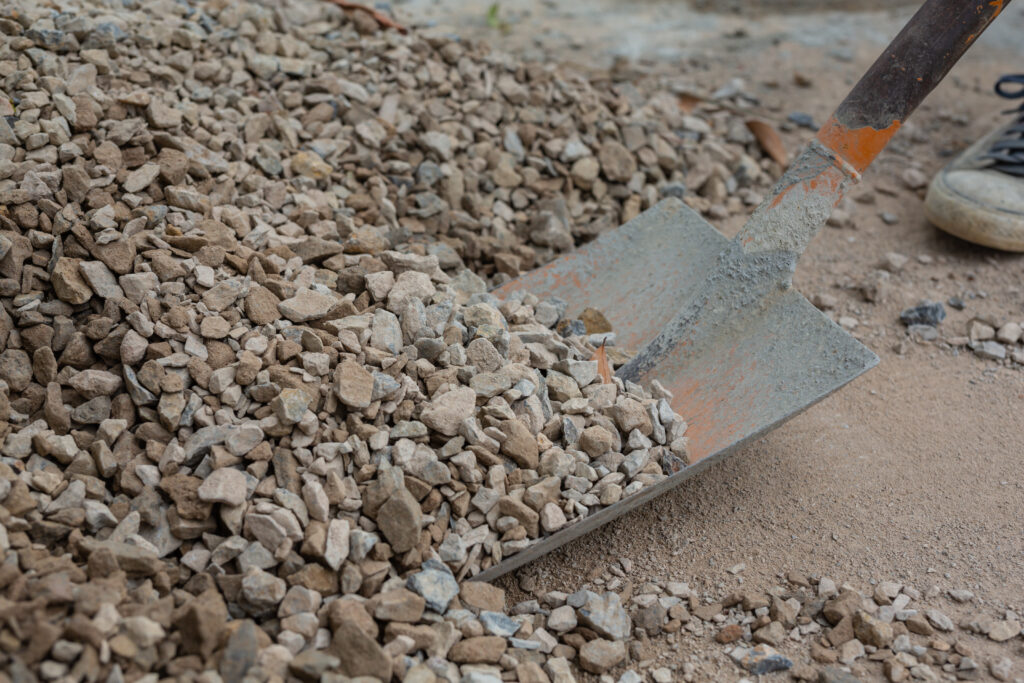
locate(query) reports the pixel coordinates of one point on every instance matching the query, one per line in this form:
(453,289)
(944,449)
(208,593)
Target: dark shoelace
(1007,153)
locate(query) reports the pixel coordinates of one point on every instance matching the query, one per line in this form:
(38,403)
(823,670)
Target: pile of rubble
(259,421)
(257,416)
(292,123)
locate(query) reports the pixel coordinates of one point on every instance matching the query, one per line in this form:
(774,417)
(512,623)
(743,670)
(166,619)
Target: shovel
(717,321)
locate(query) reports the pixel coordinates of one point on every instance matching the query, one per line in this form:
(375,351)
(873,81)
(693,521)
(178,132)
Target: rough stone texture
(267,486)
(400,520)
(478,650)
(604,614)
(306,305)
(226,485)
(68,283)
(519,444)
(482,596)
(359,654)
(599,655)
(353,384)
(445,413)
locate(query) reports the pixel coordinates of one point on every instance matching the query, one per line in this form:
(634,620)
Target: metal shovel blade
(749,370)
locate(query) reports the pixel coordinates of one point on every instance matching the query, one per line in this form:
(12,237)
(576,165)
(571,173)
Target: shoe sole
(963,217)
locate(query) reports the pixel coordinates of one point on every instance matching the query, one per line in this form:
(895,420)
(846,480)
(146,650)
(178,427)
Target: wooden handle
(914,63)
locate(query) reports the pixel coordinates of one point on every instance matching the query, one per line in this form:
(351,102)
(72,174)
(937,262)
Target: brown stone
(771,634)
(707,612)
(353,384)
(871,631)
(482,596)
(315,577)
(77,182)
(36,338)
(478,650)
(261,305)
(353,611)
(44,366)
(841,632)
(201,622)
(427,638)
(919,624)
(54,412)
(730,634)
(182,489)
(530,672)
(594,321)
(823,655)
(843,606)
(15,369)
(173,165)
(520,444)
(599,655)
(400,520)
(360,654)
(399,605)
(617,162)
(507,505)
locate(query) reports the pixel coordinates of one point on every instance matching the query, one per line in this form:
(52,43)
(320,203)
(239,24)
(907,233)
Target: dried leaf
(769,140)
(604,368)
(688,102)
(384,20)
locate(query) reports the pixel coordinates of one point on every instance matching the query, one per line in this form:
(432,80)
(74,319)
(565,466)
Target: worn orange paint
(856,146)
(701,393)
(828,182)
(999,5)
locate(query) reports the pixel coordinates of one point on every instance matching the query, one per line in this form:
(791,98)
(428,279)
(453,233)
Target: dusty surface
(663,32)
(914,471)
(909,477)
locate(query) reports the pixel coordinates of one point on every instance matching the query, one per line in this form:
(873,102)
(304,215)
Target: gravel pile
(286,124)
(258,419)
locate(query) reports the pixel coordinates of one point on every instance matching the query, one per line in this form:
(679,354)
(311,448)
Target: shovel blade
(745,374)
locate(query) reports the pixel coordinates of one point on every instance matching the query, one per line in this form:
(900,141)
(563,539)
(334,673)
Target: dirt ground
(913,472)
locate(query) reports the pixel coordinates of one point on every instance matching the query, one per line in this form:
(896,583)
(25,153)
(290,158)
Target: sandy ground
(913,472)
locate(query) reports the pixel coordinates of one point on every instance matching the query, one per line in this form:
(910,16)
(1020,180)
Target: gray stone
(498,624)
(306,305)
(939,620)
(435,584)
(603,613)
(101,279)
(386,331)
(225,485)
(445,413)
(261,592)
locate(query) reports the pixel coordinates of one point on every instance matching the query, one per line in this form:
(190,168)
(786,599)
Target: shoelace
(1007,153)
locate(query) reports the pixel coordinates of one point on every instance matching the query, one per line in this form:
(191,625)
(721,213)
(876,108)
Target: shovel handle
(910,67)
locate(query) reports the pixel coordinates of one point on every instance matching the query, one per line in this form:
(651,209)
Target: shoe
(979,196)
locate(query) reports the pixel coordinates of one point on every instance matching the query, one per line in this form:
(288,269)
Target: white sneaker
(979,196)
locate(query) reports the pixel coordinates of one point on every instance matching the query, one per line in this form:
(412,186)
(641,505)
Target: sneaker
(979,197)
